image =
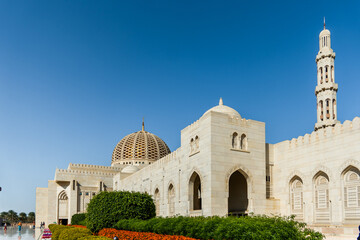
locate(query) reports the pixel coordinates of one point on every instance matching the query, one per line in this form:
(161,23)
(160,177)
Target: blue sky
(77,76)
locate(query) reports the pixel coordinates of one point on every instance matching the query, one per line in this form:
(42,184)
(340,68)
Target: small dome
(140,145)
(324,32)
(224,109)
(130,169)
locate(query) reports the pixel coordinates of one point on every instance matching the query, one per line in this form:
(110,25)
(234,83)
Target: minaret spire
(143,125)
(324,23)
(326,88)
(221,102)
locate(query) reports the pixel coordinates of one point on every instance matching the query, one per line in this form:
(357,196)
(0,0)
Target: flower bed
(129,235)
(79,226)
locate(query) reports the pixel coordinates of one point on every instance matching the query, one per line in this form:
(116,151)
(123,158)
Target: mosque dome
(130,169)
(140,145)
(224,109)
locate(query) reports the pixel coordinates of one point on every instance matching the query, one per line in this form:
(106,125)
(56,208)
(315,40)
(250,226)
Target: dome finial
(221,102)
(143,125)
(324,22)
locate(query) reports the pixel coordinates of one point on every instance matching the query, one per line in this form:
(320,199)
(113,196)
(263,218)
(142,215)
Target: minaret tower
(326,88)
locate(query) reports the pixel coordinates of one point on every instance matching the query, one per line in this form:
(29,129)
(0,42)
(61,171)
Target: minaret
(326,88)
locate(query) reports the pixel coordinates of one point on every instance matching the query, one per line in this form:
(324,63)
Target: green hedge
(106,208)
(56,230)
(253,227)
(77,219)
(74,233)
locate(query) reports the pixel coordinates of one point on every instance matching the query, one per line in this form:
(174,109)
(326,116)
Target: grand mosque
(224,167)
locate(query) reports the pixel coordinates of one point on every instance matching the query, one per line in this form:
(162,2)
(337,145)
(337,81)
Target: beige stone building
(225,167)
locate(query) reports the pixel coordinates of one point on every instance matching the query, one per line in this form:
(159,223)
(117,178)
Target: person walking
(5,227)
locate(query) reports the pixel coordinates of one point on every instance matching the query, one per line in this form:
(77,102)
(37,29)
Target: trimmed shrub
(107,208)
(74,233)
(77,218)
(217,228)
(57,229)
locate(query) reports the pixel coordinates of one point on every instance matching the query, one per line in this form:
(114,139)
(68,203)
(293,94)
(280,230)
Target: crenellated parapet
(73,166)
(322,134)
(83,172)
(192,126)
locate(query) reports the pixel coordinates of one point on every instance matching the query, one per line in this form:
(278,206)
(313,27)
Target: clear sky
(78,76)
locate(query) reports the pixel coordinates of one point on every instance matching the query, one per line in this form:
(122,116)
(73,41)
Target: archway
(195,192)
(238,194)
(63,206)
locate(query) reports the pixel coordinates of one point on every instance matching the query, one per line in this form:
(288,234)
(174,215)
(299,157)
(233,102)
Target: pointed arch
(238,187)
(296,197)
(195,191)
(157,201)
(321,197)
(63,208)
(171,199)
(351,193)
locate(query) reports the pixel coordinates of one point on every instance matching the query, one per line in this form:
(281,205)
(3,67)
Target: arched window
(171,200)
(195,192)
(321,194)
(322,110)
(197,143)
(244,143)
(192,145)
(332,73)
(352,194)
(157,201)
(296,197)
(235,141)
(334,108)
(321,74)
(326,73)
(328,108)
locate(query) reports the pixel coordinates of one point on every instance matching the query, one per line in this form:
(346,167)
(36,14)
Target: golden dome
(140,145)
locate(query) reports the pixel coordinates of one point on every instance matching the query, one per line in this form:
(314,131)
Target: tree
(4,215)
(13,217)
(31,217)
(22,216)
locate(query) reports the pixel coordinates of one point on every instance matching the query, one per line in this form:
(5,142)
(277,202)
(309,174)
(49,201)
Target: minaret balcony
(326,86)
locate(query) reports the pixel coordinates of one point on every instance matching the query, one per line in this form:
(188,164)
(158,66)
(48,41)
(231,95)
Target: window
(296,197)
(235,141)
(244,143)
(352,194)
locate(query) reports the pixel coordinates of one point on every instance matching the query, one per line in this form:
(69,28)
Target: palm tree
(31,217)
(13,217)
(22,216)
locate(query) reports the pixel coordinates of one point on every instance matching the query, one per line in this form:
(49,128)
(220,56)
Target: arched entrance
(195,192)
(63,205)
(238,195)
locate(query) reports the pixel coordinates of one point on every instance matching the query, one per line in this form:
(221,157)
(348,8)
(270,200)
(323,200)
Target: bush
(107,208)
(56,230)
(254,227)
(77,218)
(74,233)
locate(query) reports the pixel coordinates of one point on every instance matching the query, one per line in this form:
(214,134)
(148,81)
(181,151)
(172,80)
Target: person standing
(19,226)
(5,227)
